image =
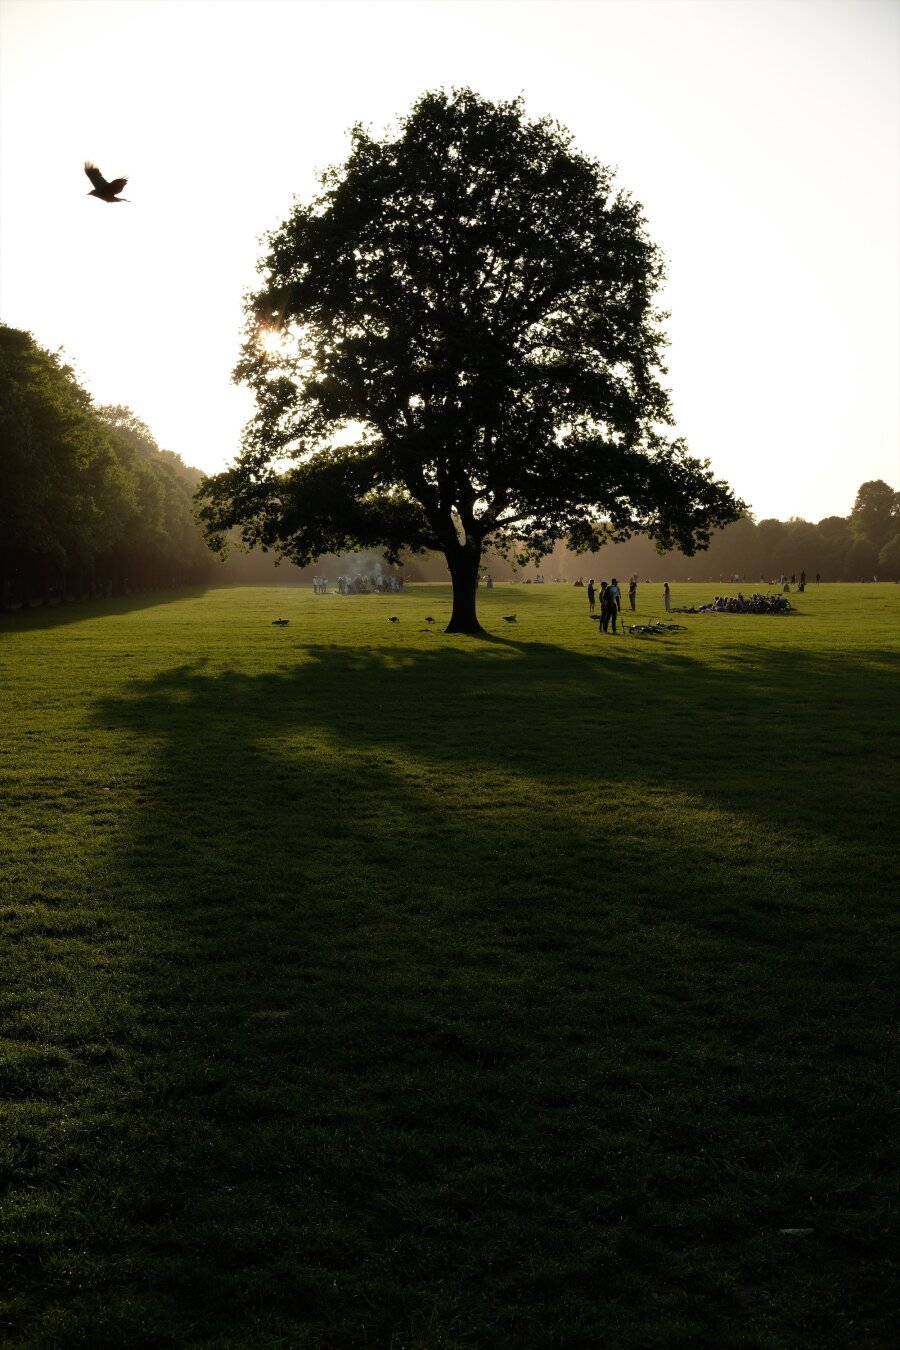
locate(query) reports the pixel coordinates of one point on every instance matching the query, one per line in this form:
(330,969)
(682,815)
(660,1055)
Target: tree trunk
(464,563)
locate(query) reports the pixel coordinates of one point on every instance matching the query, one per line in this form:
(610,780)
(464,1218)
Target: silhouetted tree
(456,343)
(860,561)
(61,484)
(835,539)
(88,502)
(876,513)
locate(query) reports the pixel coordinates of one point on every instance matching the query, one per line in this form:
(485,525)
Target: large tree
(457,342)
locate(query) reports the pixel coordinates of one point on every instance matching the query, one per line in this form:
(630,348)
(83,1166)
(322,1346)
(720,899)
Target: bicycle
(654,629)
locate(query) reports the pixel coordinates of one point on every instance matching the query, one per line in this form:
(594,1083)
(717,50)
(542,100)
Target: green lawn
(366,986)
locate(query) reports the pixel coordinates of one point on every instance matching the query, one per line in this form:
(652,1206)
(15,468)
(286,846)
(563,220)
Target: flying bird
(509,618)
(107,192)
(393,619)
(281,623)
(429,619)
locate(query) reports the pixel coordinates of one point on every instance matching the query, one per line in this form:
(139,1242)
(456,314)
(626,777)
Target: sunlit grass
(369,986)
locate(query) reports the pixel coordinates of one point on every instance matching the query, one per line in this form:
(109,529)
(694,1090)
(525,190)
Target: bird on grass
(509,618)
(393,619)
(429,619)
(281,623)
(107,192)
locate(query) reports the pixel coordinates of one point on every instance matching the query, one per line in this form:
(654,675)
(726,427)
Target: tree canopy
(88,501)
(456,342)
(875,517)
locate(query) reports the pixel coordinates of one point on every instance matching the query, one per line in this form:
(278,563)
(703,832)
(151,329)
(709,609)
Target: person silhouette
(608,608)
(617,597)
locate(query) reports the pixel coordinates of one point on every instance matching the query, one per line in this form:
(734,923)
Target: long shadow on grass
(55,616)
(488,998)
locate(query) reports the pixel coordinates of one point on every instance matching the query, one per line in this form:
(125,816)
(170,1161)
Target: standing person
(667,597)
(632,592)
(609,608)
(617,597)
(605,605)
(592,596)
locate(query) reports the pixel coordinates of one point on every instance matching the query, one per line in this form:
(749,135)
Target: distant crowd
(744,604)
(372,583)
(605,604)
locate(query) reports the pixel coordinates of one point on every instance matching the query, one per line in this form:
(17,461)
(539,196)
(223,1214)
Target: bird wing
(96,176)
(117,184)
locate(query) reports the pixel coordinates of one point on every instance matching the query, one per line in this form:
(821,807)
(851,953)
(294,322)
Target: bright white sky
(761,136)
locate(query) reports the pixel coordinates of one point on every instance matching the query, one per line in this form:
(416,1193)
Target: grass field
(370,987)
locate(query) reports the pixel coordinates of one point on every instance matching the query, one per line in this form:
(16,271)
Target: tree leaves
(77,481)
(472,305)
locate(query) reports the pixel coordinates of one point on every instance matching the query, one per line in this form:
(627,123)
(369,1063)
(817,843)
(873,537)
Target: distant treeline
(89,503)
(91,506)
(856,547)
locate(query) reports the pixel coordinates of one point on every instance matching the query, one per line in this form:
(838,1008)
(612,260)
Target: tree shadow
(55,616)
(454,966)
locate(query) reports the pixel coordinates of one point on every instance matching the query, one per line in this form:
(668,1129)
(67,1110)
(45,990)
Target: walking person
(592,595)
(667,597)
(632,592)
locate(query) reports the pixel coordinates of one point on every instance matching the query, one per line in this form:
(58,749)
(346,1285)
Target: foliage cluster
(852,548)
(455,344)
(89,504)
(839,548)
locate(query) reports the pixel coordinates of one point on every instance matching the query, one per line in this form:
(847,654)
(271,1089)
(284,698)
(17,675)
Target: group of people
(374,583)
(610,600)
(745,604)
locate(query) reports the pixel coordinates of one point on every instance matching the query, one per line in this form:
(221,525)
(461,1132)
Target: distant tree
(772,538)
(456,344)
(163,538)
(62,488)
(88,502)
(802,547)
(889,560)
(831,526)
(835,538)
(876,513)
(734,549)
(860,561)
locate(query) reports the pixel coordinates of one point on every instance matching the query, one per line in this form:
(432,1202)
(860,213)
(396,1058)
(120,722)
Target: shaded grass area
(372,987)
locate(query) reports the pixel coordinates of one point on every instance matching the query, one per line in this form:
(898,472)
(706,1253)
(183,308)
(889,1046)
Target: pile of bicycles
(645,630)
